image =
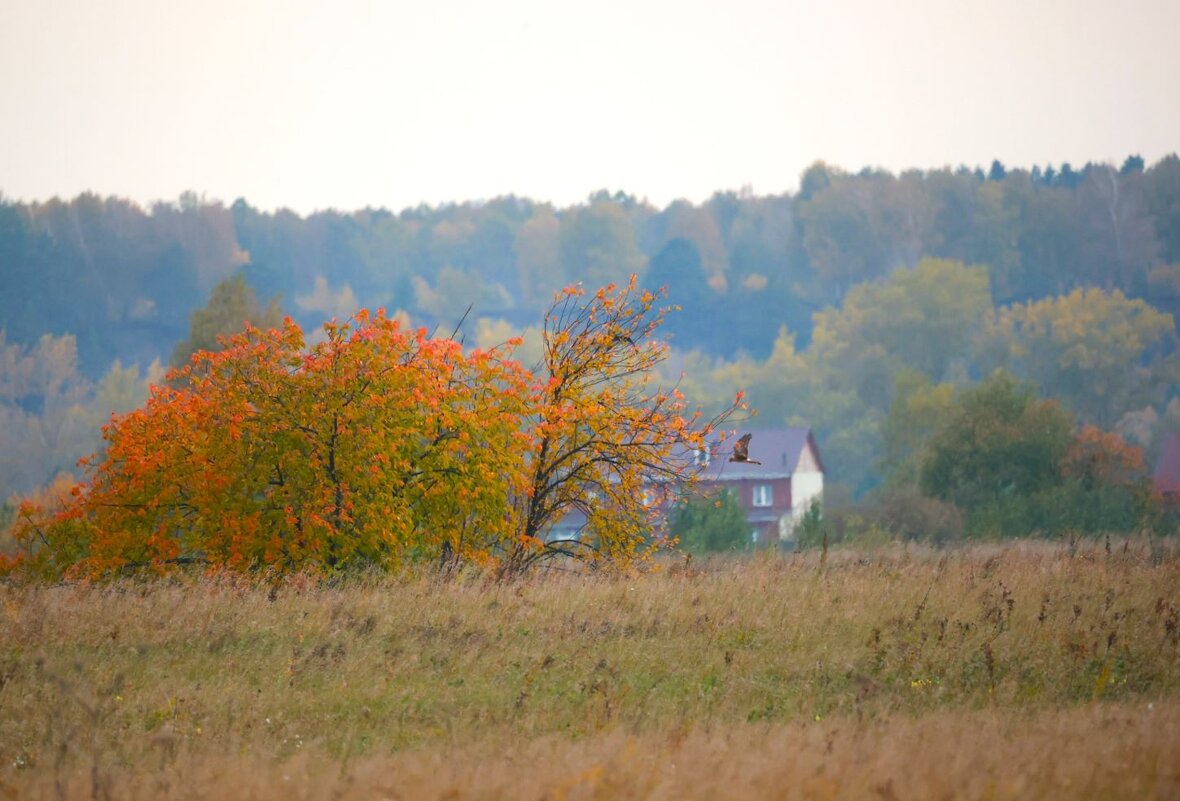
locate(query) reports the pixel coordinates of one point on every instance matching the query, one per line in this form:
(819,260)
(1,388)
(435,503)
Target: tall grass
(1005,671)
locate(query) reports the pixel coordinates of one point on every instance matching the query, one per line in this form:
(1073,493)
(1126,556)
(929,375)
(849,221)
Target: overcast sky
(350,103)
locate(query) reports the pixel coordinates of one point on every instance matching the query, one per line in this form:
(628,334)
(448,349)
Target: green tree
(952,200)
(810,531)
(919,409)
(710,523)
(1162,195)
(119,391)
(999,442)
(783,382)
(1118,234)
(231,306)
(678,269)
(538,256)
(455,291)
(43,421)
(995,215)
(597,243)
(697,225)
(1048,230)
(839,235)
(326,302)
(925,319)
(815,179)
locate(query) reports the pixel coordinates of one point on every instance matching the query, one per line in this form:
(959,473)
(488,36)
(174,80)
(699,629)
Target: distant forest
(797,278)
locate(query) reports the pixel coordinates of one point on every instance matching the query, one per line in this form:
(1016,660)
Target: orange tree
(379,445)
(1107,486)
(606,446)
(375,445)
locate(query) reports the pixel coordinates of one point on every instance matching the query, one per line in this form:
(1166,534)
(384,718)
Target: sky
(353,103)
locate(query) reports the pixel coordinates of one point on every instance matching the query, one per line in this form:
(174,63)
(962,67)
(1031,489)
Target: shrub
(809,533)
(704,524)
(911,515)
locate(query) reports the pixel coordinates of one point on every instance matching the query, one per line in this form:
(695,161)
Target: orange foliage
(376,446)
(1100,458)
(606,446)
(32,529)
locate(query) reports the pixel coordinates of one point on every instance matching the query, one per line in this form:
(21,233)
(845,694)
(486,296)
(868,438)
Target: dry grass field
(1021,671)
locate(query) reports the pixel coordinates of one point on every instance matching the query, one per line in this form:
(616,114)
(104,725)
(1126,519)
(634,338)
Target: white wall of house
(807,484)
(804,488)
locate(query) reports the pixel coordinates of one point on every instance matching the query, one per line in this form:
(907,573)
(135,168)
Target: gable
(808,463)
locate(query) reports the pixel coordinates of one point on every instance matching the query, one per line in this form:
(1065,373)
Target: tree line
(818,301)
(124,279)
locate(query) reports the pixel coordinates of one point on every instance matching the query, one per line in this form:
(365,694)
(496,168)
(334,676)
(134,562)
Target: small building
(776,493)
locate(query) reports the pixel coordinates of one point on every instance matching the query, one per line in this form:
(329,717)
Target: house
(777,493)
(1166,477)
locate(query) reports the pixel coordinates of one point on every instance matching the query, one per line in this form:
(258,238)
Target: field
(1022,671)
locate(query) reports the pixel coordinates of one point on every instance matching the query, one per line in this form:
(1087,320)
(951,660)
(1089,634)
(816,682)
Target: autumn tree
(373,446)
(494,333)
(1013,465)
(35,513)
(1106,487)
(1099,352)
(379,445)
(606,443)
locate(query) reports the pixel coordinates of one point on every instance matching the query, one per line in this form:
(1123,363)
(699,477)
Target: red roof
(1167,469)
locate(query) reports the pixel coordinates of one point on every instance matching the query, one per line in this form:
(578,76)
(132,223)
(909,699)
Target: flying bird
(741,451)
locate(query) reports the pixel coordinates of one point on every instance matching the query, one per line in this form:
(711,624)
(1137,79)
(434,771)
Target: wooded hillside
(801,288)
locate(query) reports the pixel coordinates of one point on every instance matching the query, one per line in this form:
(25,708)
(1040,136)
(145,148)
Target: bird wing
(741,448)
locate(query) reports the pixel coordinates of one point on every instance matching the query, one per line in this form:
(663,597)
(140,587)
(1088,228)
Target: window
(763,495)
